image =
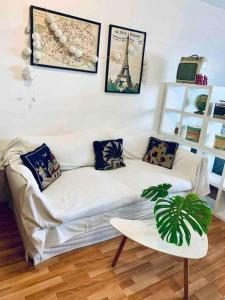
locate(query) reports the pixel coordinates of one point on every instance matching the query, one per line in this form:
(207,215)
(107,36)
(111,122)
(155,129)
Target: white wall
(69,100)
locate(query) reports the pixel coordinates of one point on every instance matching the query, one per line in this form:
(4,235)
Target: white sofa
(74,211)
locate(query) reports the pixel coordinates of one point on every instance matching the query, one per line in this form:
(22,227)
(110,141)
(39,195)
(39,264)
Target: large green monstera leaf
(155,192)
(176,215)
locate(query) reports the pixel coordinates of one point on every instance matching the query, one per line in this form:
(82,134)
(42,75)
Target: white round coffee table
(145,233)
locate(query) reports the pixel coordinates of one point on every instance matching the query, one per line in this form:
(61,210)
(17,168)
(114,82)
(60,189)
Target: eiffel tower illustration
(124,75)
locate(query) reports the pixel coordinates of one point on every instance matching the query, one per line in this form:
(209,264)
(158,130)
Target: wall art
(124,60)
(62,41)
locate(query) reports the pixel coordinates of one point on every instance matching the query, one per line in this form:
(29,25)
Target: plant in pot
(175,215)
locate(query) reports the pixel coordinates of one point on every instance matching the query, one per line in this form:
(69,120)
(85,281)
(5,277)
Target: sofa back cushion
(135,142)
(75,150)
(71,150)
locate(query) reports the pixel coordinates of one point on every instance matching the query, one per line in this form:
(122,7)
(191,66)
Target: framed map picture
(124,60)
(63,41)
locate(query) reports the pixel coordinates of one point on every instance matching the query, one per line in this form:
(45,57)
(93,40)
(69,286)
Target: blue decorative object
(219,110)
(218,166)
(108,154)
(43,165)
(161,152)
(193,150)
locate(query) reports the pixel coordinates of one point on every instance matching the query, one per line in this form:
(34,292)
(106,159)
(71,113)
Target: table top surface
(145,233)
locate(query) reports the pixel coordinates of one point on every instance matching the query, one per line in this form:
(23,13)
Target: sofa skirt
(91,230)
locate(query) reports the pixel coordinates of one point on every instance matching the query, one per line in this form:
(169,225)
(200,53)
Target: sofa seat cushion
(138,175)
(85,191)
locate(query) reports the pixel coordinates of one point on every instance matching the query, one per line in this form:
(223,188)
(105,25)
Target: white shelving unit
(178,109)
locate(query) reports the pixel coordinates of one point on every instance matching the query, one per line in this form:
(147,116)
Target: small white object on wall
(54,26)
(36,36)
(72,49)
(37,45)
(49,19)
(37,54)
(63,39)
(27,29)
(28,73)
(78,53)
(94,58)
(58,33)
(27,51)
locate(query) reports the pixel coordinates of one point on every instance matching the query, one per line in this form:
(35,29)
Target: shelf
(189,143)
(172,110)
(177,139)
(214,179)
(216,120)
(179,111)
(186,113)
(214,152)
(189,85)
(174,98)
(169,119)
(168,135)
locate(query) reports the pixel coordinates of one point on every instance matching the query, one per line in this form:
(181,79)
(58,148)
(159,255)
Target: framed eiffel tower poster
(125,58)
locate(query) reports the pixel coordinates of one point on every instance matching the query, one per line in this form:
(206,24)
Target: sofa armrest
(196,167)
(28,201)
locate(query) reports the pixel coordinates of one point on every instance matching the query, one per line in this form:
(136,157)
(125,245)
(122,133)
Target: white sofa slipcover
(74,211)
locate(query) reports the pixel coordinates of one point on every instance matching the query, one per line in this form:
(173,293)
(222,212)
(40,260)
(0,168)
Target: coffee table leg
(122,243)
(186,279)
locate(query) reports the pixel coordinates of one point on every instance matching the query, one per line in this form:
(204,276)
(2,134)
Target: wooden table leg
(186,279)
(122,243)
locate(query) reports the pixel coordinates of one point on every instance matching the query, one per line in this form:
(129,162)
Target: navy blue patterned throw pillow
(43,165)
(108,154)
(161,152)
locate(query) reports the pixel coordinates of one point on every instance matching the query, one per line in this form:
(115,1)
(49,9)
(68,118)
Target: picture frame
(125,57)
(82,33)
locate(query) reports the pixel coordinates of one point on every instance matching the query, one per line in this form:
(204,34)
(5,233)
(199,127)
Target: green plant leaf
(155,192)
(175,215)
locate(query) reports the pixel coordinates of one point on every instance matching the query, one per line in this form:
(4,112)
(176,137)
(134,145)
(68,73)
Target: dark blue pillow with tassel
(43,165)
(108,154)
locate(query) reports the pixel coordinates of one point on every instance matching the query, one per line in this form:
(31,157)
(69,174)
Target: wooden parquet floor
(86,274)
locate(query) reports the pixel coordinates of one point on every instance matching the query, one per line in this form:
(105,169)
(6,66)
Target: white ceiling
(219,3)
